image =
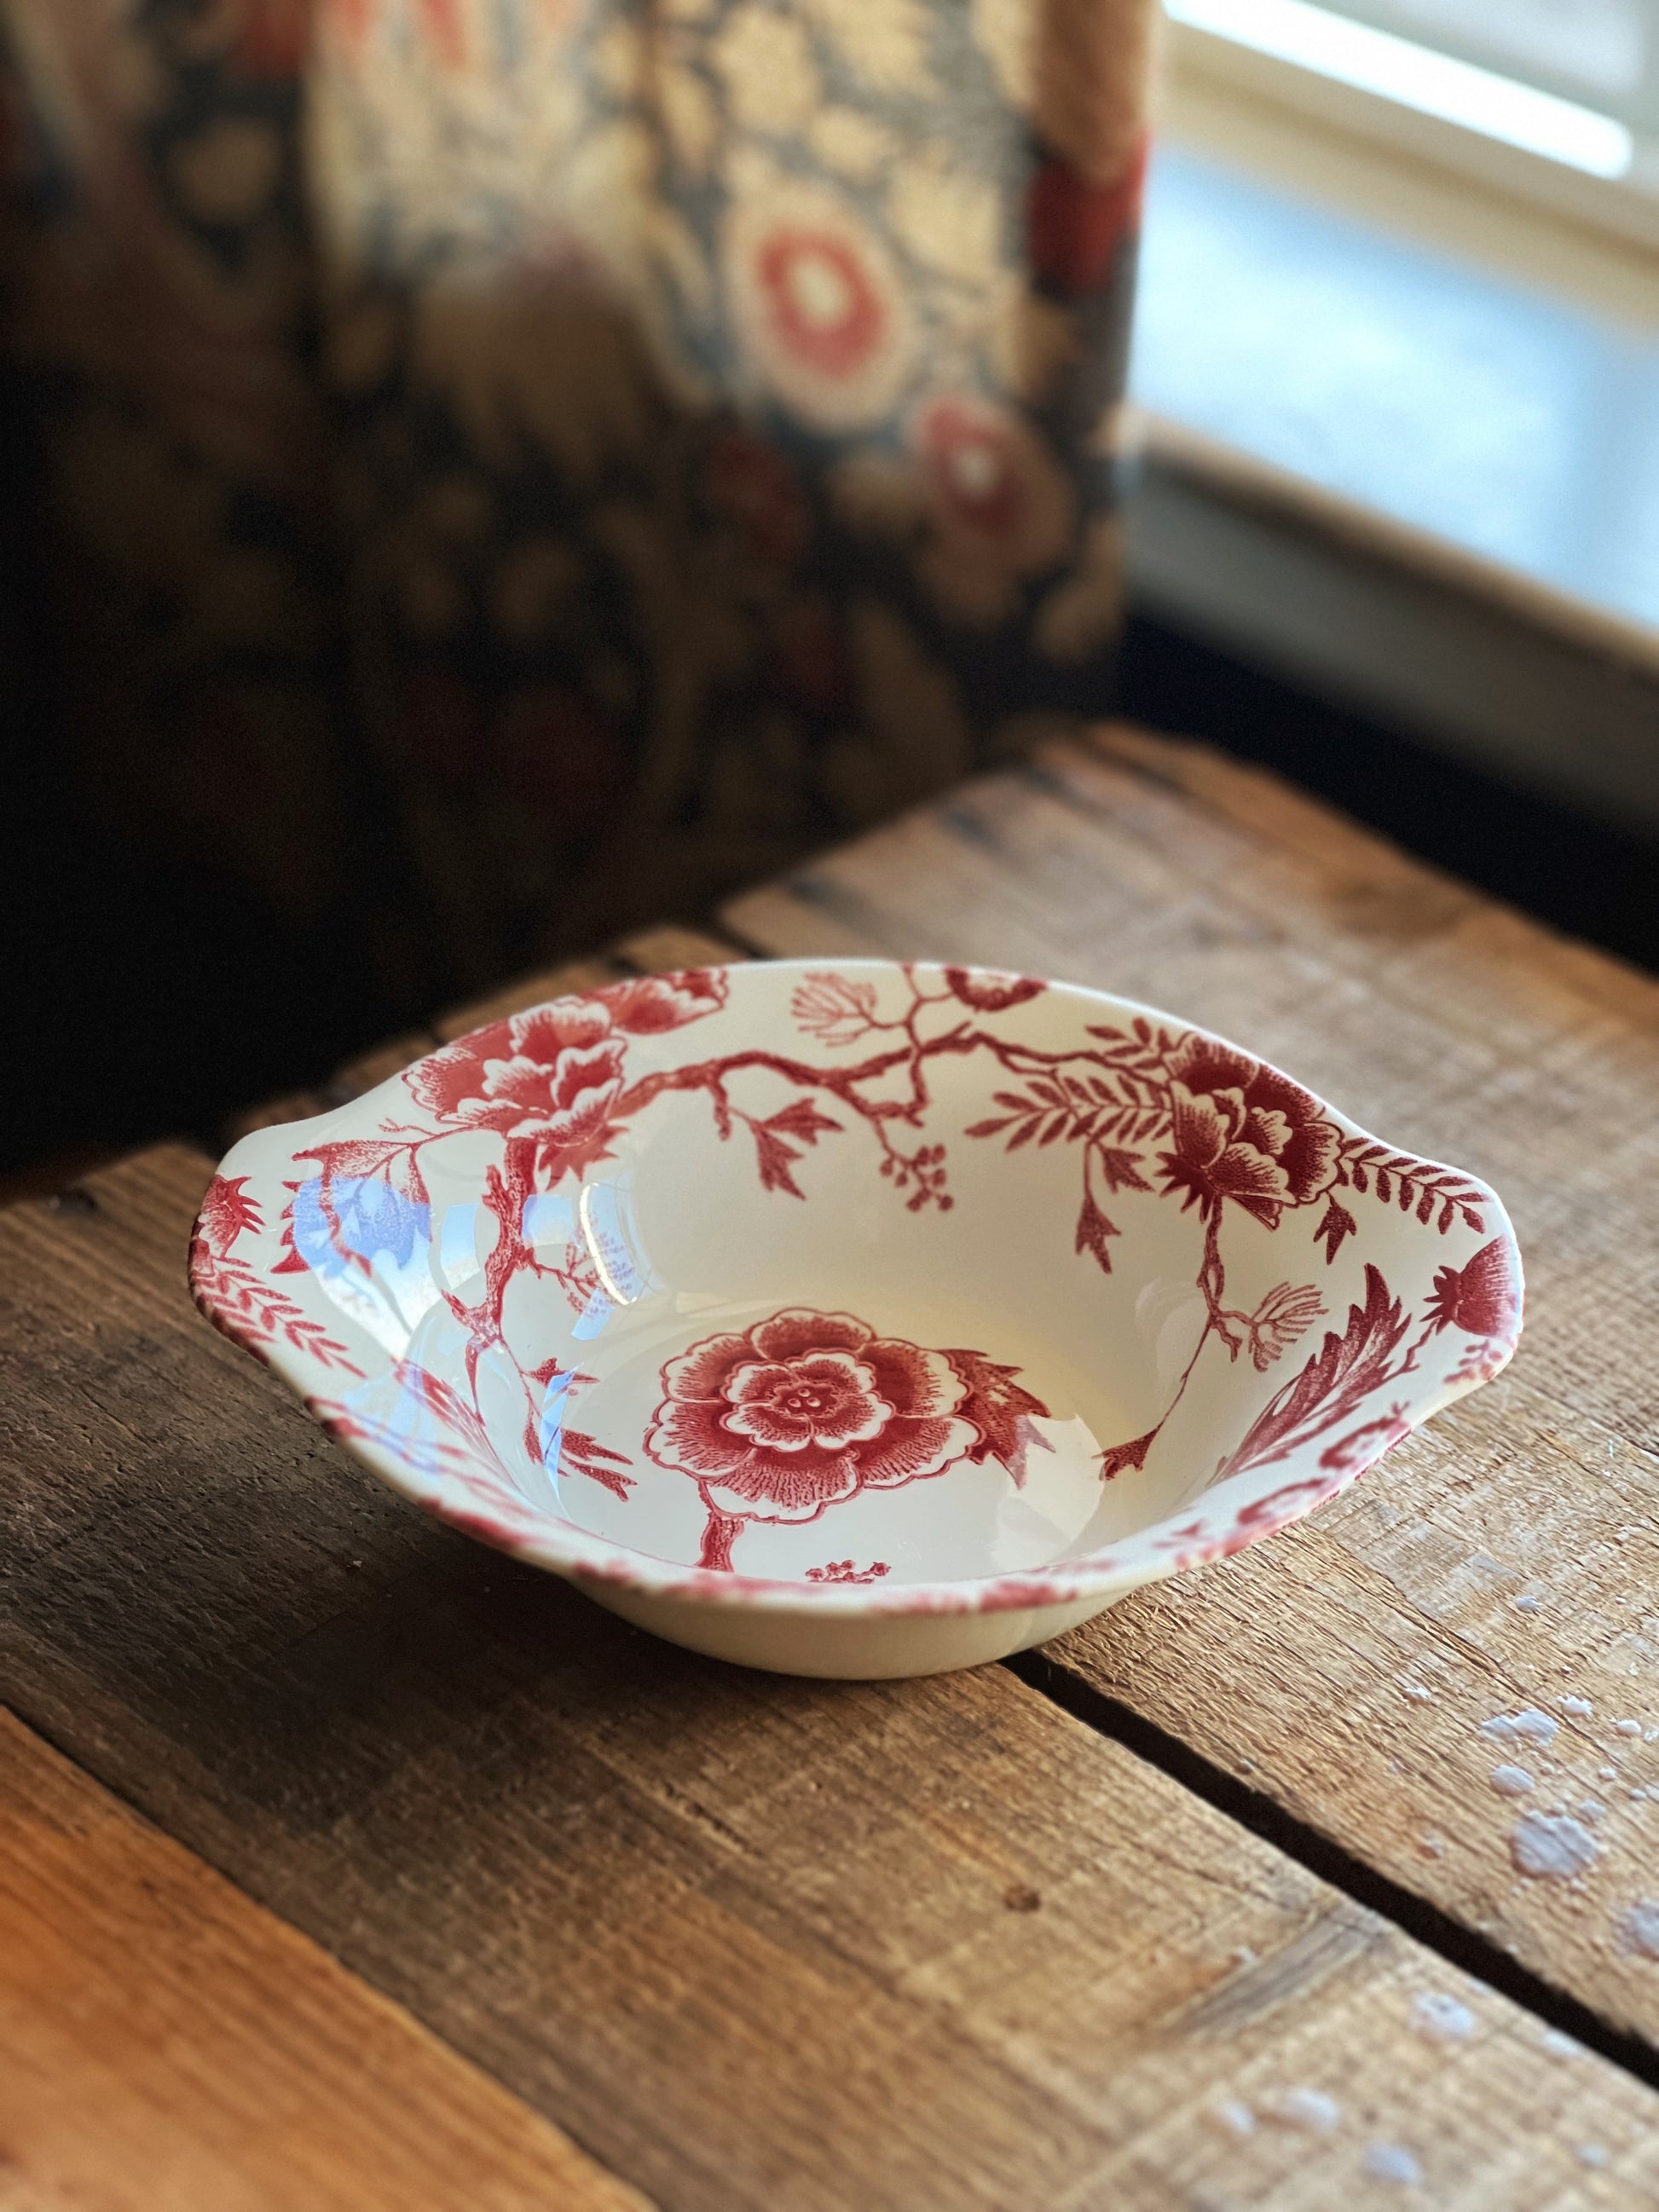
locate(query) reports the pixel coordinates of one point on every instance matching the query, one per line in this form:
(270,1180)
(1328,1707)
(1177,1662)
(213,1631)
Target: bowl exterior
(848,1647)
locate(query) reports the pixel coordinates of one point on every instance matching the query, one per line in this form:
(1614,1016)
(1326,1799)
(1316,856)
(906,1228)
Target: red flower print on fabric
(823,307)
(819,308)
(992,485)
(1076,227)
(993,506)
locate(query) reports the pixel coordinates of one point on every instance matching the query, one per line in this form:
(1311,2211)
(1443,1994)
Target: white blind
(1576,81)
(1601,52)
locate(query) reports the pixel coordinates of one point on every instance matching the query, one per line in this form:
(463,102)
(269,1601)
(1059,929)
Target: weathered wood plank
(652,951)
(1504,1558)
(163,2041)
(665,946)
(754,1942)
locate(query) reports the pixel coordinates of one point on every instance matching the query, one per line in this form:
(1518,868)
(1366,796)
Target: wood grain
(1505,1556)
(164,2042)
(755,1944)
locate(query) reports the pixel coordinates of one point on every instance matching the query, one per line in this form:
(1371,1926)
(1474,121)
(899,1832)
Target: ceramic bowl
(863,1319)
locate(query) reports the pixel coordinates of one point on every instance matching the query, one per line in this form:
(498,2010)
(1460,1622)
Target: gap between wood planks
(1264,1816)
(1438,1931)
(1331,1861)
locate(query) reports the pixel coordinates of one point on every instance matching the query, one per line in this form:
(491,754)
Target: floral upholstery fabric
(587,449)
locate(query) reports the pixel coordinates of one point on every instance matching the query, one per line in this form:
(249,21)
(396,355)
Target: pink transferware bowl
(856,1320)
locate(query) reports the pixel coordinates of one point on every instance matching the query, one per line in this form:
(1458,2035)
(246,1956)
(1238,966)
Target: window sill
(1403,442)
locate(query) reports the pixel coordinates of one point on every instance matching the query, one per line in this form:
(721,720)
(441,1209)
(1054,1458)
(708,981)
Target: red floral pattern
(988,991)
(1075,227)
(235,1297)
(611,305)
(821,306)
(557,1069)
(804,1410)
(1244,1132)
(644,1005)
(821,313)
(786,1417)
(999,508)
(1482,1298)
(807,1410)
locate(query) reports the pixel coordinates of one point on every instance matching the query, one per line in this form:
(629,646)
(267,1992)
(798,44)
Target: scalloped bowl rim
(1125,1564)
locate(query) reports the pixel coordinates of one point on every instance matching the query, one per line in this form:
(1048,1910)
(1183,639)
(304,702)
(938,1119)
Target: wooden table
(348,1864)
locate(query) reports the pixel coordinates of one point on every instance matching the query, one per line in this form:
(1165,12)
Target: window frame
(1626,207)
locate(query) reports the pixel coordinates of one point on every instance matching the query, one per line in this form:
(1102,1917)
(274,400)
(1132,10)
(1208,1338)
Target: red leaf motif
(580,1454)
(801,1120)
(1092,1230)
(1333,1385)
(226,1214)
(1120,1169)
(1335,1223)
(356,1156)
(250,1313)
(1116,1457)
(1000,1409)
(775,1159)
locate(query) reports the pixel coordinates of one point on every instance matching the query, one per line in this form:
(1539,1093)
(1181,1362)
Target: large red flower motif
(554,1073)
(1481,1298)
(818,307)
(999,506)
(1243,1131)
(806,1410)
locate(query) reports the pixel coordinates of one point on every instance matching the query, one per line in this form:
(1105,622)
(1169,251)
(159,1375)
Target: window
(1558,99)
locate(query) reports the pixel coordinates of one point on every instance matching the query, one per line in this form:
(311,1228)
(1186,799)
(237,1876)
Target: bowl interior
(875,1272)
